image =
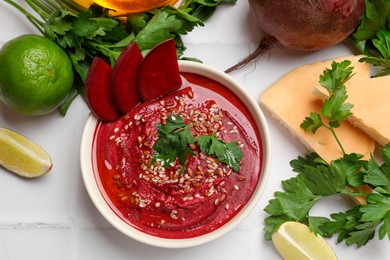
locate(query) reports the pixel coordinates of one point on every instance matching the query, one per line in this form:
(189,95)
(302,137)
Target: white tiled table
(53,217)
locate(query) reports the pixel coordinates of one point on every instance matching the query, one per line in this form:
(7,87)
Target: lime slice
(294,240)
(21,156)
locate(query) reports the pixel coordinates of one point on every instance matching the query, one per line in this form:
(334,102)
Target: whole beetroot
(305,25)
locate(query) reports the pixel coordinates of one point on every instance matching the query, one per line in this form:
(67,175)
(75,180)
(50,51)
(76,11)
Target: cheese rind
(290,100)
(370,100)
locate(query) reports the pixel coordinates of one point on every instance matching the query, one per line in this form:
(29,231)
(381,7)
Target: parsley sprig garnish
(317,179)
(228,153)
(334,108)
(372,36)
(175,138)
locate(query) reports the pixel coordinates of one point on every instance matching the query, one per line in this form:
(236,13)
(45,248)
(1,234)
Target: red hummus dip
(174,202)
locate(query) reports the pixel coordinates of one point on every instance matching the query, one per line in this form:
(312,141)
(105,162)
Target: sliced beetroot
(97,91)
(159,72)
(123,81)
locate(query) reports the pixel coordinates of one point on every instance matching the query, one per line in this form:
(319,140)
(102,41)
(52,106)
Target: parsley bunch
(175,138)
(86,33)
(317,179)
(372,36)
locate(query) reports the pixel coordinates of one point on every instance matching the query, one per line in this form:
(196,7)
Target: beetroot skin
(307,25)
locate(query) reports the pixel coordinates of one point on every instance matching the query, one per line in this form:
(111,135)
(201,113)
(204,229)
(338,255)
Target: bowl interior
(91,185)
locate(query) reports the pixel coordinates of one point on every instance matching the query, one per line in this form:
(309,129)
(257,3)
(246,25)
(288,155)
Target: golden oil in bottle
(128,6)
(84,3)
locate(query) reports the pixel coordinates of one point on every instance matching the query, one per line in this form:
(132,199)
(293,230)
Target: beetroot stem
(266,43)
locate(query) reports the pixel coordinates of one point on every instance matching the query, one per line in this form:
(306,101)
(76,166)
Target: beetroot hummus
(178,201)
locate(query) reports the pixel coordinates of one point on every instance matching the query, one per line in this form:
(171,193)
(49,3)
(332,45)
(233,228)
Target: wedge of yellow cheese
(290,100)
(370,98)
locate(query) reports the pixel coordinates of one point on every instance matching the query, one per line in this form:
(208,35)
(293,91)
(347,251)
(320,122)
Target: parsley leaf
(228,153)
(312,123)
(372,36)
(174,138)
(315,224)
(377,176)
(203,9)
(311,159)
(378,206)
(362,234)
(373,20)
(333,80)
(159,28)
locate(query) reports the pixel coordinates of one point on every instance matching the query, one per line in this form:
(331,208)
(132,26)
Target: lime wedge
(21,156)
(294,240)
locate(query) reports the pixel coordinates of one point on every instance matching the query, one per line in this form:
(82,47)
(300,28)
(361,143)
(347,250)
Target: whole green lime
(36,75)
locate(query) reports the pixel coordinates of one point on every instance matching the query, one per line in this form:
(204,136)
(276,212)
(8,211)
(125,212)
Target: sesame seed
(173,214)
(233,131)
(108,165)
(137,117)
(241,177)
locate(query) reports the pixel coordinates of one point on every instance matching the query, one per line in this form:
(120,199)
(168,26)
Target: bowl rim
(103,207)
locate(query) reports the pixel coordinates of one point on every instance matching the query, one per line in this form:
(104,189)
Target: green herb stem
(36,22)
(336,138)
(39,8)
(71,5)
(43,8)
(52,5)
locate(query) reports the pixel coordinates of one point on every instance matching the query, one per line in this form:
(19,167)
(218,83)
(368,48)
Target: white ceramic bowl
(100,203)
